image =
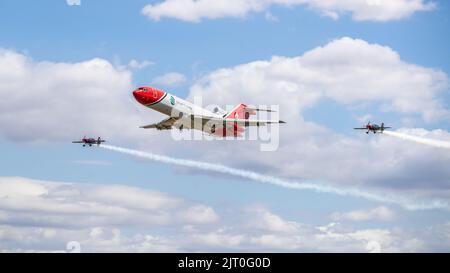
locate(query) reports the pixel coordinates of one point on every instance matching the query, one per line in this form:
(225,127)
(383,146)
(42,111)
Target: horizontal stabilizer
(251,108)
(237,121)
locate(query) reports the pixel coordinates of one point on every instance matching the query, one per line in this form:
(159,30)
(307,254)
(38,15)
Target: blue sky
(118,32)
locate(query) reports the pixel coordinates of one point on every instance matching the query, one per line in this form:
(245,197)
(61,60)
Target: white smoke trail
(405,202)
(421,140)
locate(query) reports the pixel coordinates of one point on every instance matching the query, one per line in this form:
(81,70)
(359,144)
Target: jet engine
(219,111)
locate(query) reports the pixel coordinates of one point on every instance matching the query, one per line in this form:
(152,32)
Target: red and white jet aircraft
(185,115)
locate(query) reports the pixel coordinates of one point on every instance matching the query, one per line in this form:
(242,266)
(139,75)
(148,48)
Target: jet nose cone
(136,93)
(139,96)
(148,95)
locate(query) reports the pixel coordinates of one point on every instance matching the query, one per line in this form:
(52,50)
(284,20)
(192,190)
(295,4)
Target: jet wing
(165,124)
(361,128)
(77,141)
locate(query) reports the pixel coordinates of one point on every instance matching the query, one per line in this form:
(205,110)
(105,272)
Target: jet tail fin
(238,112)
(243,111)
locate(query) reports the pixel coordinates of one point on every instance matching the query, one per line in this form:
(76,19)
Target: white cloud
(266,220)
(53,204)
(199,214)
(380,213)
(370,10)
(364,118)
(221,239)
(171,79)
(370,240)
(73,2)
(134,64)
(345,70)
(45,216)
(270,17)
(47,101)
(333,237)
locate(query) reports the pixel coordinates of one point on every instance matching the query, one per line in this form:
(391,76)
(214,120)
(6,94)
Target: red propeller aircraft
(373,128)
(89,141)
